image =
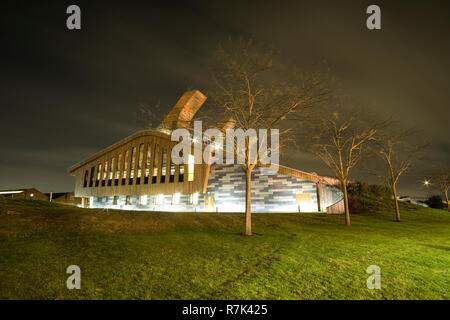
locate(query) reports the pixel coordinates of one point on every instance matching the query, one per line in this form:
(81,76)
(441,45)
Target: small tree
(435,202)
(440,179)
(398,155)
(340,139)
(255,91)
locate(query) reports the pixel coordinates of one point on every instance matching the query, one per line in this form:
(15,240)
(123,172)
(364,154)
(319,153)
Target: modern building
(136,173)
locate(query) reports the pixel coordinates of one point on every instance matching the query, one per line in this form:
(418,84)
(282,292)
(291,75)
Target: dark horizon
(69,94)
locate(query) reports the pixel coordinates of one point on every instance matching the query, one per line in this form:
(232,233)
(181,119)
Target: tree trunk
(397,209)
(248,202)
(347,210)
(446,199)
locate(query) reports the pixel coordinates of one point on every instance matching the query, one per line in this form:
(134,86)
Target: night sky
(65,95)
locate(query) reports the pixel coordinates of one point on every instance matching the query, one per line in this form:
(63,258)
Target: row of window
(157,200)
(150,159)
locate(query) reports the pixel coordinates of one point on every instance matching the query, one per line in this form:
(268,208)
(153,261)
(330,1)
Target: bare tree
(340,139)
(440,179)
(148,117)
(399,155)
(254,91)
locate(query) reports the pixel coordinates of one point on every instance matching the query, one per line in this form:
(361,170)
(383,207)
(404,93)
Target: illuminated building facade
(136,173)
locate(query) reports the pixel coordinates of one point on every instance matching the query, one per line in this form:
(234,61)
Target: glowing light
(426,182)
(176,198)
(10,192)
(191,167)
(143,200)
(195,198)
(159,199)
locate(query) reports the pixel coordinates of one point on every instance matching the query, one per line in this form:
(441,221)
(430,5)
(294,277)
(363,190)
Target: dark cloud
(67,94)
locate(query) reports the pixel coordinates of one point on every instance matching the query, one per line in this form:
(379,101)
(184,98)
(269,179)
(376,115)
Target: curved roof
(116,145)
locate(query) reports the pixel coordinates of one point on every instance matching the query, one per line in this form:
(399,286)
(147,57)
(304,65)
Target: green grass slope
(151,255)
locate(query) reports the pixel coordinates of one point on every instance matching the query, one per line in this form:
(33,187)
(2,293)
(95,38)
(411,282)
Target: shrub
(366,190)
(435,202)
(365,197)
(356,204)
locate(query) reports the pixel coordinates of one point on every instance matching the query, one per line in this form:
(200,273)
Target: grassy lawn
(148,255)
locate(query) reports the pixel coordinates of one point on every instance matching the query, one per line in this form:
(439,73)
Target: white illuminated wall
(270,193)
(226,183)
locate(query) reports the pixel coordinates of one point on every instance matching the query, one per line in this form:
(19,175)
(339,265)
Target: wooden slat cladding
(184,110)
(116,145)
(135,182)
